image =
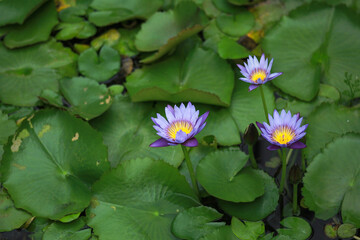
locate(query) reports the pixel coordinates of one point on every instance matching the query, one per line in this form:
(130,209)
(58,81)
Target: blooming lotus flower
(256,72)
(180,127)
(284,130)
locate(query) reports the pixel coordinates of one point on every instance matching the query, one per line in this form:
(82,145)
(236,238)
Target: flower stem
(303,163)
(191,170)
(295,193)
(252,157)
(283,170)
(264,102)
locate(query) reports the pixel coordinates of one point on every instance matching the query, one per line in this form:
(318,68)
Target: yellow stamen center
(283,135)
(175,127)
(258,74)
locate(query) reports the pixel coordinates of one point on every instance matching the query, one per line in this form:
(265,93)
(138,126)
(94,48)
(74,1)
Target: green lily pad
(23,76)
(67,231)
(346,230)
(81,30)
(16,11)
(128,132)
(36,29)
(296,228)
(332,181)
(110,38)
(51,163)
(222,176)
(247,230)
(10,217)
(51,97)
(328,122)
(243,2)
(196,222)
(87,97)
(258,209)
(230,49)
(306,52)
(101,67)
(139,200)
(236,25)
(161,27)
(37,227)
(195,77)
(226,7)
(223,233)
(7,128)
(114,11)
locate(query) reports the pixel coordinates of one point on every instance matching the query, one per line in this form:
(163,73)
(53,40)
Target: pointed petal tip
(273,147)
(192,142)
(297,145)
(161,142)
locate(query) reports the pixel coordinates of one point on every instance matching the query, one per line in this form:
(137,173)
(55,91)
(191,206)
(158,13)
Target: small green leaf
(7,128)
(51,97)
(196,222)
(296,228)
(346,230)
(230,49)
(79,30)
(247,230)
(67,231)
(236,25)
(223,233)
(219,173)
(70,217)
(101,67)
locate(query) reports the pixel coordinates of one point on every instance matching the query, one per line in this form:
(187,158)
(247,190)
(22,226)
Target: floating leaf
(230,49)
(258,209)
(315,42)
(7,128)
(222,176)
(109,38)
(328,122)
(332,181)
(296,228)
(194,77)
(101,67)
(50,164)
(223,233)
(50,97)
(346,230)
(113,11)
(67,231)
(138,200)
(235,25)
(36,29)
(247,230)
(79,30)
(16,11)
(172,25)
(128,132)
(10,217)
(23,76)
(87,97)
(243,2)
(196,222)
(225,6)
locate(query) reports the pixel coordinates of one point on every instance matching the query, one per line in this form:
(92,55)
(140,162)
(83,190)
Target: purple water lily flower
(284,130)
(256,72)
(180,127)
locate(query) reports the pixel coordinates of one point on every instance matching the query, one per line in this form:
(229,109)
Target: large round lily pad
(128,132)
(195,77)
(139,200)
(23,76)
(314,42)
(258,209)
(51,163)
(222,175)
(332,181)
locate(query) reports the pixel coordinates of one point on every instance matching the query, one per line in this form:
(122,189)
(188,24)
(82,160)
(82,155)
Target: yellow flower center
(175,127)
(283,135)
(258,73)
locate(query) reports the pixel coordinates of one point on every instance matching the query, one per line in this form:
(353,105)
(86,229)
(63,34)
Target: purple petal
(252,87)
(194,117)
(243,69)
(192,142)
(246,80)
(203,117)
(181,136)
(262,61)
(160,143)
(160,121)
(297,145)
(170,113)
(260,125)
(270,65)
(274,75)
(273,147)
(276,115)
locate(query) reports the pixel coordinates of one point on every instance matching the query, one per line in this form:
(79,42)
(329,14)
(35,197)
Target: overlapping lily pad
(7,127)
(79,30)
(336,186)
(247,230)
(193,77)
(128,132)
(138,200)
(67,231)
(23,76)
(101,67)
(221,173)
(258,209)
(36,29)
(51,162)
(113,11)
(236,25)
(328,122)
(315,42)
(196,222)
(87,97)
